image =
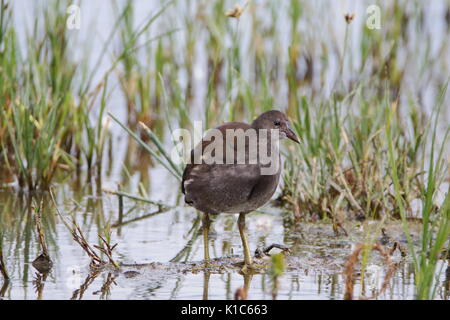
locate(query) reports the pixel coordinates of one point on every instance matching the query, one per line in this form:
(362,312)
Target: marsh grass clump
(44,126)
(340,171)
(38,120)
(435,217)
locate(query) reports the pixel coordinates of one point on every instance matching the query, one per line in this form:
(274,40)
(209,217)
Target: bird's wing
(205,142)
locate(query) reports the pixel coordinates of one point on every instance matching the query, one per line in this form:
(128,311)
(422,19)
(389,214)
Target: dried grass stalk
(40,230)
(354,259)
(77,235)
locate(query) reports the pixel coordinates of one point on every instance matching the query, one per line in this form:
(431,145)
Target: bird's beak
(291,134)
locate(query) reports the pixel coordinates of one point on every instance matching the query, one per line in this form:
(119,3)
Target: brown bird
(228,175)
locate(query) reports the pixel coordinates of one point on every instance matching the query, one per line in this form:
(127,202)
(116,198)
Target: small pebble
(131,274)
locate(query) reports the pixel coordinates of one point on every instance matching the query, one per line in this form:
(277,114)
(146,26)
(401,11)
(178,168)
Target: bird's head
(275,119)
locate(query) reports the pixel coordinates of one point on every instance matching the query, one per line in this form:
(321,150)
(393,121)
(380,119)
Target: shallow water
(318,256)
(315,266)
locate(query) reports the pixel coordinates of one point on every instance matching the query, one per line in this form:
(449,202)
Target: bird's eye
(277,123)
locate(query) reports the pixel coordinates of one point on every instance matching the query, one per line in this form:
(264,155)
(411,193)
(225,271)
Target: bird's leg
(206,277)
(247,281)
(247,255)
(206,223)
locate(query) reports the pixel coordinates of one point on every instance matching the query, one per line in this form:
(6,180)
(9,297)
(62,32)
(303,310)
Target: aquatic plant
(435,218)
(277,268)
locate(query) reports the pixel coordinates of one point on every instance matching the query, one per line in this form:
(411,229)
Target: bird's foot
(266,251)
(207,263)
(248,269)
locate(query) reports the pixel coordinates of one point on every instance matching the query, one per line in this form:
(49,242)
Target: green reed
(435,218)
(40,109)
